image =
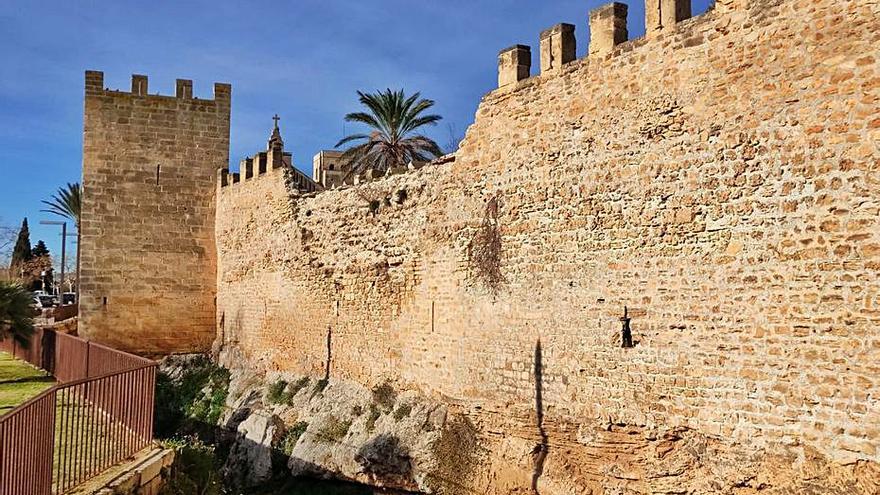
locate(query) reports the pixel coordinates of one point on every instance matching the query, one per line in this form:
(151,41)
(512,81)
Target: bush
(292,436)
(402,412)
(385,396)
(372,417)
(208,407)
(334,429)
(299,385)
(195,469)
(191,401)
(277,393)
(458,453)
(320,386)
(384,456)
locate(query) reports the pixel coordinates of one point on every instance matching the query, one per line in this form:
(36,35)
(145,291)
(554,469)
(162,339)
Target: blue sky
(303,59)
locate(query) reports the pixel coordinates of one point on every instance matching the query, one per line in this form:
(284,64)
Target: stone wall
(145,475)
(148,253)
(719,180)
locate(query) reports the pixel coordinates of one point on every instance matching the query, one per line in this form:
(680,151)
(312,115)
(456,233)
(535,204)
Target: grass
(86,439)
(19,381)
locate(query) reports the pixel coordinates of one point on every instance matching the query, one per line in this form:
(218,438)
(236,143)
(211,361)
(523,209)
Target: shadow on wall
(539,453)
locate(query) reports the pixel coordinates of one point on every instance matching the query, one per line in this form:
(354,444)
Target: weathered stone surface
(257,433)
(148,273)
(344,433)
(718,180)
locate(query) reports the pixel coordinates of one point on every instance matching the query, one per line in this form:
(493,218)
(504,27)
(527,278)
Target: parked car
(68,298)
(47,301)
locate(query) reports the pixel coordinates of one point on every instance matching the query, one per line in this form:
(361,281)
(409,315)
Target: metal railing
(100,414)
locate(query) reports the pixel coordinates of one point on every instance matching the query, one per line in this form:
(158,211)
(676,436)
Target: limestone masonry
(719,179)
(148,264)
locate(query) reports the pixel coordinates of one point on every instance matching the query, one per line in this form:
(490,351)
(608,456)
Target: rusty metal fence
(100,413)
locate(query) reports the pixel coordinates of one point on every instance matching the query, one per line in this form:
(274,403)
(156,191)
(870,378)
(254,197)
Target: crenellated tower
(148,263)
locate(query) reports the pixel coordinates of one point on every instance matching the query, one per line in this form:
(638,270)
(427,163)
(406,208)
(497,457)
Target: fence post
(88,349)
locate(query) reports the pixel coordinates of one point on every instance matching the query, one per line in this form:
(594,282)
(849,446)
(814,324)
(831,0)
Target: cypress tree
(22,251)
(39,250)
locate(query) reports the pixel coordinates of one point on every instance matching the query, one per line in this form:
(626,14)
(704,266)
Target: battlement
(266,162)
(94,86)
(253,167)
(158,154)
(608,31)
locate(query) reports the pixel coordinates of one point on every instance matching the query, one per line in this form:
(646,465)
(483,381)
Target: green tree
(16,313)
(21,253)
(392,141)
(66,202)
(39,250)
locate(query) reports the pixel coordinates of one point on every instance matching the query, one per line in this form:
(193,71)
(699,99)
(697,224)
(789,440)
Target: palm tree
(67,203)
(392,142)
(16,313)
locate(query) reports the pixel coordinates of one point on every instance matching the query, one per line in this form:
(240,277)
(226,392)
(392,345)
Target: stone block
(514,64)
(662,15)
(558,46)
(184,89)
(139,85)
(607,27)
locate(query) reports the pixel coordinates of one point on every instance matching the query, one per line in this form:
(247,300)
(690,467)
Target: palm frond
(16,315)
(350,138)
(66,202)
(394,117)
(417,122)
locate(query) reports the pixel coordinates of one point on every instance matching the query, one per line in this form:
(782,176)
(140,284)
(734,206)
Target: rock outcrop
(277,425)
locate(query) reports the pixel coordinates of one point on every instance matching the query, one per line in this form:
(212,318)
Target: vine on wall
(484,251)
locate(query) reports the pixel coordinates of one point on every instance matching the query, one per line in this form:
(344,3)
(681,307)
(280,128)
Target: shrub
(195,469)
(320,385)
(402,412)
(196,396)
(209,405)
(385,396)
(373,416)
(298,385)
(384,456)
(277,392)
(292,436)
(458,453)
(334,429)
